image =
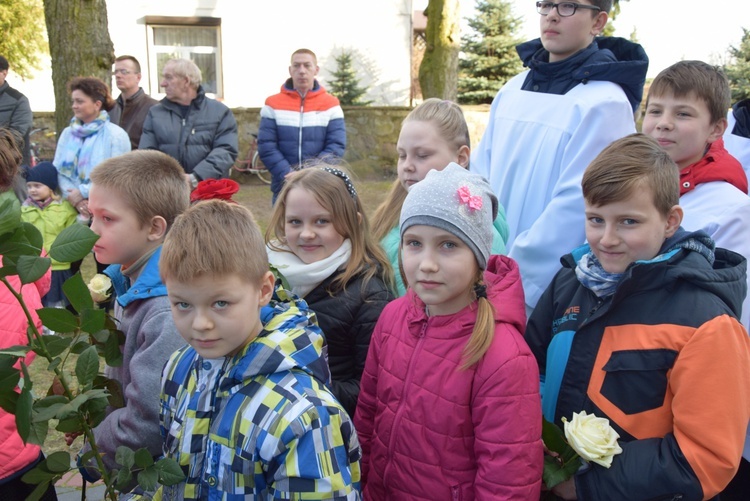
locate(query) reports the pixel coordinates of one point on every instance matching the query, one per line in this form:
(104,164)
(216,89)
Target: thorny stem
(111,493)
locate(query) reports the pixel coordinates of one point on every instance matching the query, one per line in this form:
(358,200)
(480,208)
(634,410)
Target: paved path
(69,489)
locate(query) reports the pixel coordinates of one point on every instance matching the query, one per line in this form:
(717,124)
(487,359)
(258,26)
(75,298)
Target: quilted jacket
(294,129)
(347,319)
(204,142)
(14,454)
(432,431)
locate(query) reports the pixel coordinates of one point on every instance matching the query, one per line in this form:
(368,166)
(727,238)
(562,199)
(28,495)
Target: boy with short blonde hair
(244,408)
(134,200)
(641,327)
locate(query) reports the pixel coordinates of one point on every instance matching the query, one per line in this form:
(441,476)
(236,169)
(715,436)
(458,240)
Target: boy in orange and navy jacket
(641,327)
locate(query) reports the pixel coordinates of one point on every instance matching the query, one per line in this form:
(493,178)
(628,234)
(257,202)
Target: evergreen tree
(738,70)
(489,57)
(345,83)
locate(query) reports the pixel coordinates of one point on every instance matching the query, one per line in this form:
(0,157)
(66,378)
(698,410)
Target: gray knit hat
(457,201)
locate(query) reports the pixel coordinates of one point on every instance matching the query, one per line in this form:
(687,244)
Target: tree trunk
(438,73)
(79,44)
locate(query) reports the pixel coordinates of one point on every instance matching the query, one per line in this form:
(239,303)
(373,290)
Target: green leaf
(41,489)
(80,347)
(23,413)
(148,478)
(58,462)
(124,478)
(92,320)
(561,468)
(87,367)
(16,351)
(57,344)
(9,267)
(69,425)
(553,437)
(47,408)
(32,268)
(73,243)
(170,472)
(112,351)
(10,213)
(125,456)
(555,472)
(114,388)
(143,458)
(33,235)
(9,400)
(77,292)
(37,475)
(39,431)
(58,319)
(18,244)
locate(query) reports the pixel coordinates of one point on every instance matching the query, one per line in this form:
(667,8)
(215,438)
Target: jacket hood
(290,340)
(725,278)
(716,165)
(504,290)
(609,59)
(741,112)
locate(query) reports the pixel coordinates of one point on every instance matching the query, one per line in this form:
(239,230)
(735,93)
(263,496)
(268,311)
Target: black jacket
(347,319)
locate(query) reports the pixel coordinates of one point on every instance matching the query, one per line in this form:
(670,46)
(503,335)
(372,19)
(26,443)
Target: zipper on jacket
(400,411)
(456,493)
(301,120)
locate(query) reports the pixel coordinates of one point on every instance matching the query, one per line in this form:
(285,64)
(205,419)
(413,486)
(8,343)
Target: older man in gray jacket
(15,111)
(201,133)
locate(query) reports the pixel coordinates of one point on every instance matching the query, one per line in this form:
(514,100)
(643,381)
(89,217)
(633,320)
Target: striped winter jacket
(294,129)
(664,359)
(261,425)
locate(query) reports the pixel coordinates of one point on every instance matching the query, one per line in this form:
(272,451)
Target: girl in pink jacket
(449,404)
(16,457)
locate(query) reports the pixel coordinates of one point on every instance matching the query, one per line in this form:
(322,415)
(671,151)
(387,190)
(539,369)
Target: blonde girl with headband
(432,135)
(319,239)
(449,404)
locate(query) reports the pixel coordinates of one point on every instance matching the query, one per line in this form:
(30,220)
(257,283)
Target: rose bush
(592,438)
(100,287)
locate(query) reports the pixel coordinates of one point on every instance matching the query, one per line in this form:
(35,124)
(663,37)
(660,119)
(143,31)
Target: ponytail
(484,329)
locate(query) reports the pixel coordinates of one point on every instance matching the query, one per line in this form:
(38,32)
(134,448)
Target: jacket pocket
(636,380)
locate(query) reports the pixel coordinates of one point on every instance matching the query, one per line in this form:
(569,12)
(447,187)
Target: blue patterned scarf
(592,275)
(77,149)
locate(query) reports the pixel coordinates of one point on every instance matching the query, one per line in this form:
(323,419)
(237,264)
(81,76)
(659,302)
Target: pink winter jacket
(431,431)
(14,455)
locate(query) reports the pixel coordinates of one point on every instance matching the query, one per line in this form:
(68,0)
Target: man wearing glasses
(548,123)
(133,103)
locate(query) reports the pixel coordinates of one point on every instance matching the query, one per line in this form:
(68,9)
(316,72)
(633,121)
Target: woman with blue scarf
(89,140)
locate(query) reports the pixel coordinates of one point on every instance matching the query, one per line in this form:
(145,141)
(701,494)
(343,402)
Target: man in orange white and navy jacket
(300,123)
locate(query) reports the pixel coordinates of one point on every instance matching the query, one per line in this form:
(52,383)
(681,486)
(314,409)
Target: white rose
(592,438)
(100,287)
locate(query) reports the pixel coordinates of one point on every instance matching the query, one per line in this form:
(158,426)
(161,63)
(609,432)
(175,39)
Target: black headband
(348,182)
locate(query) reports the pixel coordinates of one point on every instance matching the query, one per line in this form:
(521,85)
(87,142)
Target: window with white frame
(197,39)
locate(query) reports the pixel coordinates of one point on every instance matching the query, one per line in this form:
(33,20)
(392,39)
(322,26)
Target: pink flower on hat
(473,202)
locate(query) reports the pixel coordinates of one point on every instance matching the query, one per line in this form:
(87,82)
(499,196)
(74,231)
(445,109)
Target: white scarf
(303,277)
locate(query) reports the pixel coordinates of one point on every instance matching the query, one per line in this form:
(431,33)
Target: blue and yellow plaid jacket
(262,424)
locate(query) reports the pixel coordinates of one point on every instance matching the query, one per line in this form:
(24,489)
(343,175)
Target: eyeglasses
(564,9)
(125,72)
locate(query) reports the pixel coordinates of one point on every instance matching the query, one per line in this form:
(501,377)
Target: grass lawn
(255,196)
